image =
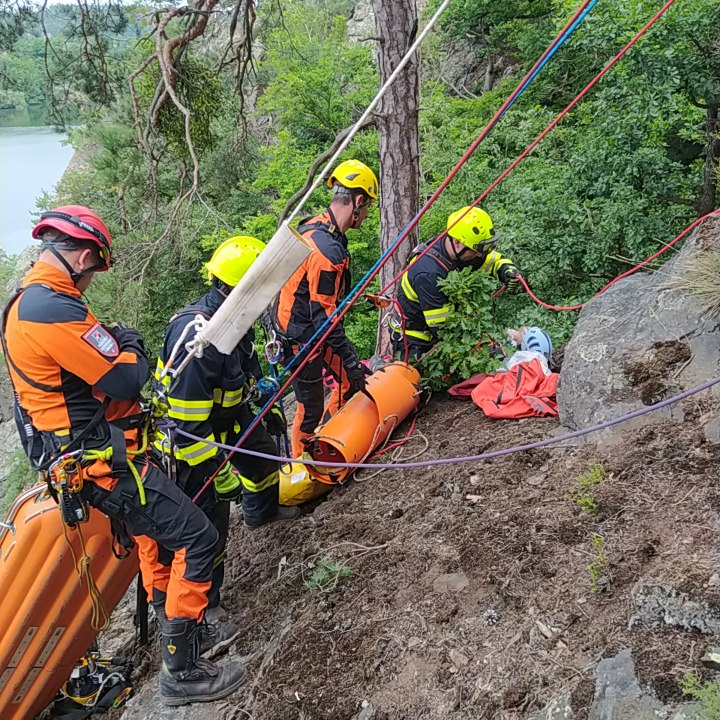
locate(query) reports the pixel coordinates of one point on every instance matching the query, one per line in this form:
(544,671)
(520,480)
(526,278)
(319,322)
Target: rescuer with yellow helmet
(313,293)
(210,399)
(470,240)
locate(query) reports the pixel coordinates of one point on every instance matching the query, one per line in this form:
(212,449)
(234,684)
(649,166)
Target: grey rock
(639,342)
(686,712)
(657,604)
(452,582)
(557,709)
(618,695)
(367,712)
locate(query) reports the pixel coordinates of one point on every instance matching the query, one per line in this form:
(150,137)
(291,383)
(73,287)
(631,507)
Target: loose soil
(527,623)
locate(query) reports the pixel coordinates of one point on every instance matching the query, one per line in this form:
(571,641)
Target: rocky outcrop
(640,342)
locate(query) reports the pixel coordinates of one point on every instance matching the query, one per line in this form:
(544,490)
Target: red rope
(665,248)
(550,127)
(436,194)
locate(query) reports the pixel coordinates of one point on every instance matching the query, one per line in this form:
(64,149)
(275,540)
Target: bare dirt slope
(480,608)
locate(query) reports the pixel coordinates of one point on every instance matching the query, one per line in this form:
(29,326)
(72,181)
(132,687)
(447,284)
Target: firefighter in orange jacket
(314,291)
(77,386)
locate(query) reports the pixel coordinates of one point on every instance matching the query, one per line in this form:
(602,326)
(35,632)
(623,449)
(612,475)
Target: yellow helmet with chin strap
(233,258)
(472,227)
(357,176)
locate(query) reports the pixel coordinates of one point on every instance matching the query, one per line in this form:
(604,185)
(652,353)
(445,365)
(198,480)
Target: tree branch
(319,160)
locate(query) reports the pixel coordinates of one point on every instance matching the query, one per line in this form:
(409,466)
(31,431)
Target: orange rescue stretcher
(48,619)
(365,422)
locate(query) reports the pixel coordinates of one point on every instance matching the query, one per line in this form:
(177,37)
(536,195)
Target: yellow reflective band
(419,334)
(197,452)
(437,316)
(408,289)
(158,373)
(193,410)
(231,398)
(272,479)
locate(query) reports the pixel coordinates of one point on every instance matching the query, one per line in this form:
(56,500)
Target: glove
(227,483)
(128,338)
(510,277)
(275,421)
(357,376)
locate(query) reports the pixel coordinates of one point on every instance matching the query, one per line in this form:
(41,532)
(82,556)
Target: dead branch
(319,160)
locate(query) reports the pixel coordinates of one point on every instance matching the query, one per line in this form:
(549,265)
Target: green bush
(463,348)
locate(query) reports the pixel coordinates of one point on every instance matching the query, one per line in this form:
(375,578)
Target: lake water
(32,160)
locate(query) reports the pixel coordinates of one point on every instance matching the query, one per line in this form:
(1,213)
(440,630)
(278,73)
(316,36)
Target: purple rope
(470,458)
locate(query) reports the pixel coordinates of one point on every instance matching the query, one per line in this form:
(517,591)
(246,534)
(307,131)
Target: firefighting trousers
(416,348)
(260,477)
(191,479)
(312,408)
(176,541)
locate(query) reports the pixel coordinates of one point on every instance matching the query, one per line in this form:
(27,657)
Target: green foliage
(597,569)
(598,192)
(462,349)
(327,575)
(199,87)
(584,497)
(20,476)
(705,693)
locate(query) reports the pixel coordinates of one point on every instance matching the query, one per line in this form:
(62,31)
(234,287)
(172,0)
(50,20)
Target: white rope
(368,110)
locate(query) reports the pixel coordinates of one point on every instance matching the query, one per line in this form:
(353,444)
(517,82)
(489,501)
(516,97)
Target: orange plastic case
(363,424)
(46,610)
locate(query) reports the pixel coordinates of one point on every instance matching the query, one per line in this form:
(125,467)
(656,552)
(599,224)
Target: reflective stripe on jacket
(316,288)
(204,399)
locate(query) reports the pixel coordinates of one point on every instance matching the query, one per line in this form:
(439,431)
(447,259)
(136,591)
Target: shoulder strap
(432,252)
(189,311)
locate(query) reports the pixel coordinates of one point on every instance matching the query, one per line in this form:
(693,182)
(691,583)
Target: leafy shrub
(462,349)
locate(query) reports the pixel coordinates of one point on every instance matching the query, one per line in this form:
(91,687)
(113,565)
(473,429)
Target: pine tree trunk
(708,193)
(396,24)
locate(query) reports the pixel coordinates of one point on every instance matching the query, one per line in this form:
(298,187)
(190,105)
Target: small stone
(451,582)
(714,580)
(458,659)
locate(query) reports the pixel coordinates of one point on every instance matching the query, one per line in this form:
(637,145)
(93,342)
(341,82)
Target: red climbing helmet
(77,222)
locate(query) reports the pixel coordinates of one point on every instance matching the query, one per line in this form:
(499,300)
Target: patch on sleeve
(99,338)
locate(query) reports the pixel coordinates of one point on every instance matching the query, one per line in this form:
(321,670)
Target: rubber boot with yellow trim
(185,677)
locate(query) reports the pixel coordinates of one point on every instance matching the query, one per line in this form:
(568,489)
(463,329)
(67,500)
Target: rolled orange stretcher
(365,421)
(47,617)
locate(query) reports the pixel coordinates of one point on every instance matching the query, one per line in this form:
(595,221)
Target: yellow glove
(227,483)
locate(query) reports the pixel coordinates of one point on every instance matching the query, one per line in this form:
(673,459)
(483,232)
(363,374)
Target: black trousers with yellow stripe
(260,477)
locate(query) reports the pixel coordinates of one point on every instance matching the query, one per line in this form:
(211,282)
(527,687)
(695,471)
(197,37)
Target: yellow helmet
(233,258)
(472,229)
(355,175)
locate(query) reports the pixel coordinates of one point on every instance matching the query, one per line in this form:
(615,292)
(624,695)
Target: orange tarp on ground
(523,391)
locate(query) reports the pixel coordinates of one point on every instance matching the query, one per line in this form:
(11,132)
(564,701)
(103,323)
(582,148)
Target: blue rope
(355,290)
(352,295)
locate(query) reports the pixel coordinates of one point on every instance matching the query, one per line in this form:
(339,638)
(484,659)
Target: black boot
(216,629)
(281,514)
(213,630)
(185,677)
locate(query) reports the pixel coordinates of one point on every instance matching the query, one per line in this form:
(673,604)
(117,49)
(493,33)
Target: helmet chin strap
(74,276)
